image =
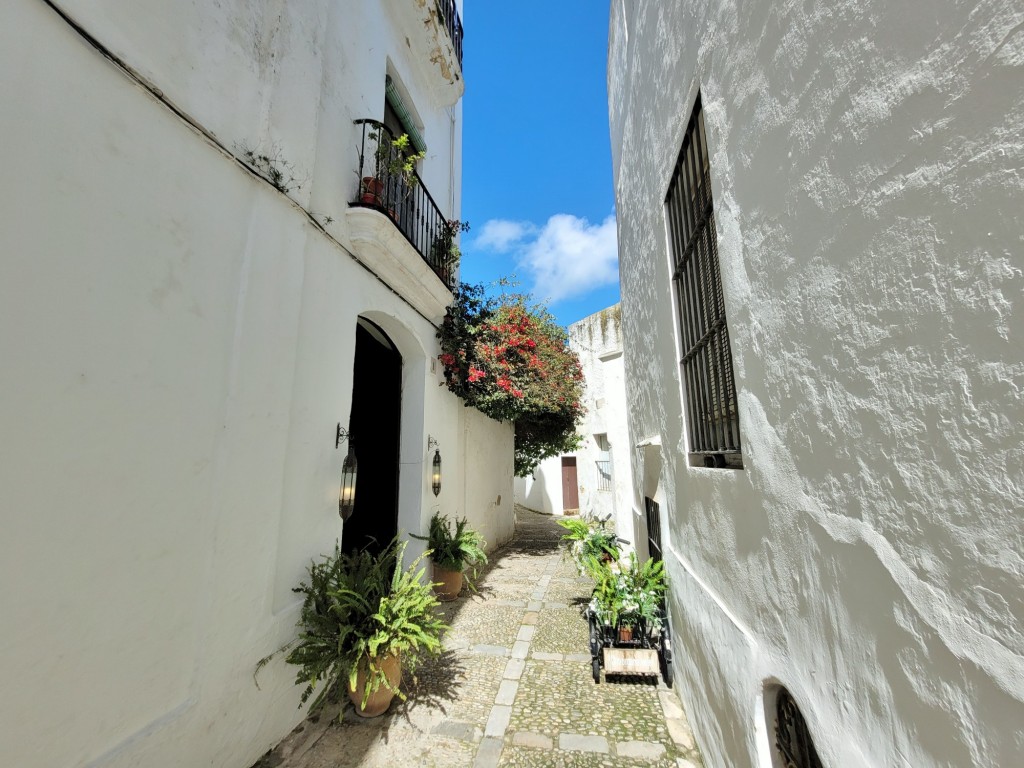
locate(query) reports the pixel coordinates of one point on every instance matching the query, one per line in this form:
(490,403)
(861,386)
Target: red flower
(475,374)
(448,359)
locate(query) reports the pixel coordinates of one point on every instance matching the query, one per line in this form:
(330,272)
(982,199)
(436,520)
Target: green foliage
(509,358)
(395,158)
(632,595)
(590,544)
(444,250)
(360,606)
(453,551)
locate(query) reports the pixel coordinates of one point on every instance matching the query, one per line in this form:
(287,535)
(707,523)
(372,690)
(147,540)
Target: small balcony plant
(445,253)
(395,169)
(451,552)
(364,617)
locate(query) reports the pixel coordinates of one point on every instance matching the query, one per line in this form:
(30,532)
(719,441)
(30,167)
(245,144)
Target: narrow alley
(513,687)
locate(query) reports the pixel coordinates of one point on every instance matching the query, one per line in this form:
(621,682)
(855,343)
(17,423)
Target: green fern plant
(357,608)
(455,550)
(590,544)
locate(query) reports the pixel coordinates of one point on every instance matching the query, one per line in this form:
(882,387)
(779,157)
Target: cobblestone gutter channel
(513,687)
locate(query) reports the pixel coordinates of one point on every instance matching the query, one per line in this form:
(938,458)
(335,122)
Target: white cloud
(570,256)
(500,234)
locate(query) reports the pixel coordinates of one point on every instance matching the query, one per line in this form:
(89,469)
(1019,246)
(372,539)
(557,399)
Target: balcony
(448,17)
(394,216)
(432,31)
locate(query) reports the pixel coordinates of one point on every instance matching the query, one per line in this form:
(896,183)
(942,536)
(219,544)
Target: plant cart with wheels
(645,650)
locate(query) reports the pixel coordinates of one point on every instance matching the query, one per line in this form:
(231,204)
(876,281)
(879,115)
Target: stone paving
(512,689)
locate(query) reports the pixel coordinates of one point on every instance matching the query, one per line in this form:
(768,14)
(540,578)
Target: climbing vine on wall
(507,357)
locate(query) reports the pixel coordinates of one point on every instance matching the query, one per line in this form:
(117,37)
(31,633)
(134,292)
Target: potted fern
(364,618)
(451,551)
(590,544)
(629,597)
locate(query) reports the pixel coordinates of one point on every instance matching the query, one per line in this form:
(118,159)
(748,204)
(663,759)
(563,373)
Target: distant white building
(821,248)
(596,479)
(197,289)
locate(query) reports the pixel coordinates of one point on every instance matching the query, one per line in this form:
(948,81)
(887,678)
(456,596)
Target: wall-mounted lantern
(435,473)
(349,474)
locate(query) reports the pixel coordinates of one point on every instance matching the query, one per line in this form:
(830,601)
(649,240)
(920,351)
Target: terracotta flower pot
(625,634)
(379,700)
(372,190)
(448,584)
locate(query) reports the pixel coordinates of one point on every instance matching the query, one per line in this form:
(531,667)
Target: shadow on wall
(537,492)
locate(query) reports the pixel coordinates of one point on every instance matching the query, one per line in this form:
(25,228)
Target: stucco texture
(866,173)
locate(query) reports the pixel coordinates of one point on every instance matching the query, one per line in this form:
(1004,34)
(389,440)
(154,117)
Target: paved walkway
(513,688)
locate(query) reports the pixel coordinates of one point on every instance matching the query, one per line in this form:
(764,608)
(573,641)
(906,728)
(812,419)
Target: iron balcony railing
(403,197)
(448,13)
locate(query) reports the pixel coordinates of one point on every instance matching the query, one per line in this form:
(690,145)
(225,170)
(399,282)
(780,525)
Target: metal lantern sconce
(349,474)
(435,473)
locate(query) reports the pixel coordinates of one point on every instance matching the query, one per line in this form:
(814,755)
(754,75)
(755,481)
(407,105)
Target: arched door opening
(375,429)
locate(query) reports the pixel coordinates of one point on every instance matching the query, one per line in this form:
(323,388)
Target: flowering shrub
(510,360)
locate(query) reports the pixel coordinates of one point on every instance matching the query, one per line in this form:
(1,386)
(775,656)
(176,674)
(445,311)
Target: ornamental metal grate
(792,738)
(652,516)
(409,205)
(710,389)
(448,13)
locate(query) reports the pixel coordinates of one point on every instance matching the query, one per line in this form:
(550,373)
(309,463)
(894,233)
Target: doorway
(375,428)
(570,487)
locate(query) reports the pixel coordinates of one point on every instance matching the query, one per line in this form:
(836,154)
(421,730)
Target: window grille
(604,475)
(792,737)
(709,386)
(652,518)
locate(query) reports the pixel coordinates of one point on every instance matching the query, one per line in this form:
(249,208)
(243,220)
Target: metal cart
(647,652)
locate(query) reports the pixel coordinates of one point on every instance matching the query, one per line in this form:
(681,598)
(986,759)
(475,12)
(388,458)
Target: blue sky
(537,180)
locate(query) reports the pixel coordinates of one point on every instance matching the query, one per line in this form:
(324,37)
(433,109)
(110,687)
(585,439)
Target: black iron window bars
(709,386)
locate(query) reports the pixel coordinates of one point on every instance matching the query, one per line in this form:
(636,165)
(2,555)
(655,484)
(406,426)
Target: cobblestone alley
(514,687)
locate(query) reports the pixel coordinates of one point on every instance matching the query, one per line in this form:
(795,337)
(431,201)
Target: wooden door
(570,488)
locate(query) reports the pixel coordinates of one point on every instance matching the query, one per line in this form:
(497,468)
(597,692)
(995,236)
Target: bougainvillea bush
(509,358)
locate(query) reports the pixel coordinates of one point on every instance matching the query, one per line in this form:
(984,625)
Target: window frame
(706,365)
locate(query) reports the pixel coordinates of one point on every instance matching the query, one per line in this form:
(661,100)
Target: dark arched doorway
(375,428)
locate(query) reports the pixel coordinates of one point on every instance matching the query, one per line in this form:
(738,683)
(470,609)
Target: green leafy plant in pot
(364,618)
(451,551)
(590,544)
(445,253)
(631,596)
(395,169)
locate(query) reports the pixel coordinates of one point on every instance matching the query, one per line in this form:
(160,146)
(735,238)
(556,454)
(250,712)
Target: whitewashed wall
(597,341)
(865,167)
(177,341)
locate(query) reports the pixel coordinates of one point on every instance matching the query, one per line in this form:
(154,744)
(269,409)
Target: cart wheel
(666,660)
(595,665)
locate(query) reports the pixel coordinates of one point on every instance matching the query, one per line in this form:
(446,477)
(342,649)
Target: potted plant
(364,618)
(590,544)
(444,250)
(451,551)
(630,598)
(395,169)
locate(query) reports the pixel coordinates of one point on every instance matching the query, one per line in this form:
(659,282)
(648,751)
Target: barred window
(604,462)
(708,384)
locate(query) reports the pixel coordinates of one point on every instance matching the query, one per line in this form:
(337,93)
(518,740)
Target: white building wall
(597,341)
(865,171)
(177,341)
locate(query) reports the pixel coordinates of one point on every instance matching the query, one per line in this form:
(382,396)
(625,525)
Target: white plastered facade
(866,173)
(177,340)
(597,341)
